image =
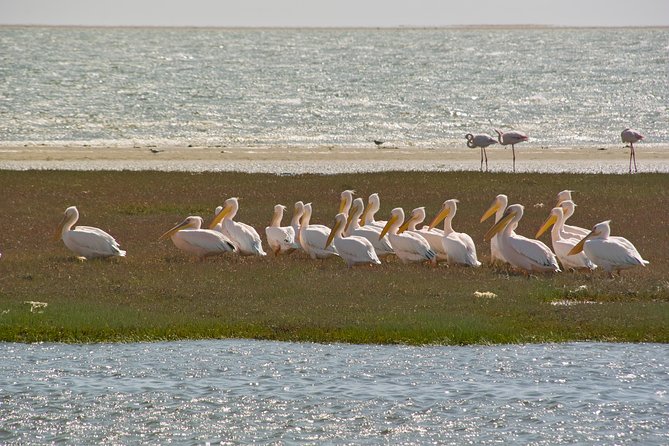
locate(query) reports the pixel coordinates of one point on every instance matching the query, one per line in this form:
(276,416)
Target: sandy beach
(331,159)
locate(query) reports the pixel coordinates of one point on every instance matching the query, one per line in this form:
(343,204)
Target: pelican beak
(501,224)
(405,225)
(331,237)
(364,216)
(439,217)
(221,215)
(494,207)
(59,230)
(174,230)
(392,220)
(349,219)
(342,205)
(579,246)
(550,221)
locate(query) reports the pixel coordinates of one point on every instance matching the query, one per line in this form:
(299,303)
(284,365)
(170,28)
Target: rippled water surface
(411,87)
(239,392)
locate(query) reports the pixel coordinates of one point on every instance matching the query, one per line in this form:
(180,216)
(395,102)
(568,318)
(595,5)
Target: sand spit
(330,160)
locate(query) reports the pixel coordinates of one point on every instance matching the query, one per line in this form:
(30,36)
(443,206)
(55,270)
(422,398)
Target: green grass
(158,293)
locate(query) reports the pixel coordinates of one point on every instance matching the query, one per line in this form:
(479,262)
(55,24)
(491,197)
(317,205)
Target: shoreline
(331,159)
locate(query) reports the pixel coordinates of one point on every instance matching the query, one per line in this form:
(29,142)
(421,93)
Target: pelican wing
(92,242)
(460,249)
(577,261)
(356,250)
(533,251)
(244,236)
(313,239)
(203,242)
(615,252)
(381,247)
(411,247)
(281,239)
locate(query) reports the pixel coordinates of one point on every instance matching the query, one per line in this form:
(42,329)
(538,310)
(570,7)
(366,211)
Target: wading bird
(612,254)
(513,138)
(354,250)
(408,246)
(630,136)
(563,242)
(281,239)
(482,141)
(521,252)
(85,241)
(459,246)
(244,236)
(189,237)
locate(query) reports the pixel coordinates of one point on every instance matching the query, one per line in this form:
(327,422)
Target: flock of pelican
(483,140)
(358,238)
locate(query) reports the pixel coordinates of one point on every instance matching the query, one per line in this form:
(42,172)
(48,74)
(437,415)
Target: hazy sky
(335,12)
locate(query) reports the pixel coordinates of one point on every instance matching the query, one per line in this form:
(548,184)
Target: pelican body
(382,246)
(612,254)
(481,140)
(281,239)
(244,236)
(86,241)
(354,250)
(513,138)
(408,246)
(630,136)
(313,238)
(189,237)
(563,242)
(432,236)
(521,252)
(459,247)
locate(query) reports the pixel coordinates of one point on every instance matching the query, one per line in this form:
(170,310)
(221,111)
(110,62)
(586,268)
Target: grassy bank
(157,292)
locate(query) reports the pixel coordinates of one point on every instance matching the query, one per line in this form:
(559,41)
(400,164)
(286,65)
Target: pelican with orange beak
(459,246)
(244,236)
(85,241)
(354,250)
(408,246)
(563,242)
(189,237)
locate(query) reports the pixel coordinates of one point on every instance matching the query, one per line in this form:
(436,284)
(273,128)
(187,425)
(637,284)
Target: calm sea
(342,87)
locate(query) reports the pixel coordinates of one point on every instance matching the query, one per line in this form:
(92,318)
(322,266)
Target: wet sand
(330,160)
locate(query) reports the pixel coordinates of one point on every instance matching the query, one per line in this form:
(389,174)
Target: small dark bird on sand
(156,150)
(378,142)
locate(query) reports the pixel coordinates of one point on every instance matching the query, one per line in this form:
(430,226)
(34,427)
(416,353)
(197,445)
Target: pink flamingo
(513,138)
(630,136)
(482,141)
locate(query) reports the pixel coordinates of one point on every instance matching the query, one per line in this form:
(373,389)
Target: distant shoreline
(519,26)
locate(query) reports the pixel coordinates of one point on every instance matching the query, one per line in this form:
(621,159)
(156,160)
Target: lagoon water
(130,87)
(242,392)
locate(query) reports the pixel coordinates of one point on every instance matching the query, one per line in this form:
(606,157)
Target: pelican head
(337,228)
(355,212)
(70,217)
(448,208)
(396,219)
(192,222)
(555,215)
(563,196)
(498,203)
(346,198)
(416,216)
(600,230)
(512,213)
(230,209)
(373,205)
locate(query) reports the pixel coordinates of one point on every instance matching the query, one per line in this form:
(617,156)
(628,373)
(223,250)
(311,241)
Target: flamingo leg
(631,153)
(513,151)
(482,149)
(634,158)
(486,159)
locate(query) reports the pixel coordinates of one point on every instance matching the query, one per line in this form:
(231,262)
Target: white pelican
(354,250)
(188,237)
(281,239)
(497,209)
(612,254)
(513,138)
(408,246)
(459,246)
(433,237)
(481,140)
(242,235)
(381,246)
(314,237)
(298,210)
(630,136)
(521,252)
(373,206)
(345,201)
(85,241)
(568,208)
(563,242)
